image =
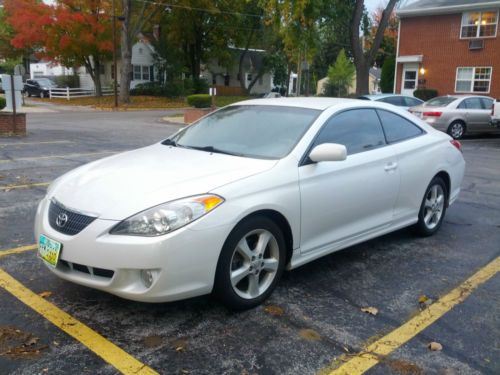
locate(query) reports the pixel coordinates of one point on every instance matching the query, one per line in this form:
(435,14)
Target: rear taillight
(432,114)
(457,144)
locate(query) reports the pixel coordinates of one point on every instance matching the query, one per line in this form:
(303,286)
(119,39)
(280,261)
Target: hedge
(2,103)
(199,100)
(425,94)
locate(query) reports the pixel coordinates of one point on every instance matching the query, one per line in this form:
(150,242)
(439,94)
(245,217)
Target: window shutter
(151,73)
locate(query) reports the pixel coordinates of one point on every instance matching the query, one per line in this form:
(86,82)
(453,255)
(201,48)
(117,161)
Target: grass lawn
(139,102)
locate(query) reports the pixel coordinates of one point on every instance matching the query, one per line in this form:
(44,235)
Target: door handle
(390,166)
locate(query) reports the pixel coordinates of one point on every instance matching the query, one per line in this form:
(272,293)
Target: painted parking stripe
(34,143)
(105,349)
(57,156)
(372,355)
(17,250)
(23,186)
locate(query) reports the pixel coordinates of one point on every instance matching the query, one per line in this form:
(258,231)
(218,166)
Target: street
(312,323)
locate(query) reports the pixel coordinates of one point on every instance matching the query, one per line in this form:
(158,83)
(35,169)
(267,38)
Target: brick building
(449,45)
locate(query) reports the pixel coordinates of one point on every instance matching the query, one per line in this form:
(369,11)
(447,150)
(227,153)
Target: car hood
(122,185)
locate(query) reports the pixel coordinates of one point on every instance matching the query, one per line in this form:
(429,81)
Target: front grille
(71,223)
(92,271)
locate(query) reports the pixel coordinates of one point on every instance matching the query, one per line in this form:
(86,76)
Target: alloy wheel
(457,130)
(433,206)
(254,264)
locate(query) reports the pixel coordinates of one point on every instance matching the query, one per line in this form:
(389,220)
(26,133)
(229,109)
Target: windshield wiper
(212,149)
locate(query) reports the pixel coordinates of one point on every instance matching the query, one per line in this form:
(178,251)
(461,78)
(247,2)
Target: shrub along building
(449,45)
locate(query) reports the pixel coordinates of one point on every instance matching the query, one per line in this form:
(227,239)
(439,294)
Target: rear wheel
(433,208)
(251,263)
(456,129)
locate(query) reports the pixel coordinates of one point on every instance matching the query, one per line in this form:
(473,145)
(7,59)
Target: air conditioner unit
(476,44)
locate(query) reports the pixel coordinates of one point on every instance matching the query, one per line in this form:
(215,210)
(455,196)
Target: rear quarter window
(397,128)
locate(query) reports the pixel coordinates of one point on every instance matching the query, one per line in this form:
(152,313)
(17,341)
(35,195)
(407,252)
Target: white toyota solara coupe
(226,204)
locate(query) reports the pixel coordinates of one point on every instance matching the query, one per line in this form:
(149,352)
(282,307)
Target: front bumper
(183,262)
(495,122)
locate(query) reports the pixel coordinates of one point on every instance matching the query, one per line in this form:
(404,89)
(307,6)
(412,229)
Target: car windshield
(440,101)
(258,131)
(45,82)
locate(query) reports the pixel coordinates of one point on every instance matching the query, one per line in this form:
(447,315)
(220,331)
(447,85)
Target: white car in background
(225,205)
(457,115)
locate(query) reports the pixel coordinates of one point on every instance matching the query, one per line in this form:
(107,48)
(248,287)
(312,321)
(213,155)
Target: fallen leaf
(31,341)
(435,346)
(309,335)
(46,369)
(370,310)
(274,310)
(423,298)
(55,343)
(153,341)
(184,371)
(45,294)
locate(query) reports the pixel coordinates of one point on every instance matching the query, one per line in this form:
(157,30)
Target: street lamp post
(115,80)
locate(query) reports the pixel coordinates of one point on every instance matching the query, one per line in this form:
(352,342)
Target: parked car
(39,87)
(270,95)
(394,99)
(226,204)
(495,114)
(457,114)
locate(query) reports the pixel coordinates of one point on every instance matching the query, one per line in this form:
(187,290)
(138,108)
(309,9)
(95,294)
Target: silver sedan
(457,114)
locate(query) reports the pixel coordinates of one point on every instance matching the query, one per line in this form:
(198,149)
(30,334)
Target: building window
(472,79)
(141,73)
(479,24)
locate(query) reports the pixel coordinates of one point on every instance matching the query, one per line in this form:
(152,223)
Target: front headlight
(167,217)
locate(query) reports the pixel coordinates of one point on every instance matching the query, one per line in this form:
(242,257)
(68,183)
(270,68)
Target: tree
(133,19)
(340,76)
(387,75)
(363,59)
(71,32)
(388,45)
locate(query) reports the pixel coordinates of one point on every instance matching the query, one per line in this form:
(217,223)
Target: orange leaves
(67,31)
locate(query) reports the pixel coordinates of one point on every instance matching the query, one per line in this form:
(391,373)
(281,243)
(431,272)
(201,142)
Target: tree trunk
(97,76)
(126,55)
(288,75)
(362,79)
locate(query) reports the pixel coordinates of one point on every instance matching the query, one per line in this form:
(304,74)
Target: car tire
(40,94)
(433,208)
(256,248)
(456,129)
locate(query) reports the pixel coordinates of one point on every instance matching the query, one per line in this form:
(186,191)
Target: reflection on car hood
(122,185)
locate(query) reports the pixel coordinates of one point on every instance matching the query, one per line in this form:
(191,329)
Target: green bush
(425,94)
(387,75)
(199,100)
(2,103)
(172,89)
(67,81)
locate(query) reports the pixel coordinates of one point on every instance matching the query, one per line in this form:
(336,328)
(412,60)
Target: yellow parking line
(17,250)
(24,186)
(34,143)
(376,351)
(57,156)
(105,349)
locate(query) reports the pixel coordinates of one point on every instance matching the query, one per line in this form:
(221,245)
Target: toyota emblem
(61,220)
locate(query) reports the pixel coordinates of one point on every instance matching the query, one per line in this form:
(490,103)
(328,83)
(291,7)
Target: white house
(142,68)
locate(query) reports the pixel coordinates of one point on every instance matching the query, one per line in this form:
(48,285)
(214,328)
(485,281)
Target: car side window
(471,103)
(412,102)
(397,128)
(357,129)
(487,103)
(394,100)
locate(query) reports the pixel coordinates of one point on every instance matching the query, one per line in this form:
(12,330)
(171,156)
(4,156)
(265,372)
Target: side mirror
(328,152)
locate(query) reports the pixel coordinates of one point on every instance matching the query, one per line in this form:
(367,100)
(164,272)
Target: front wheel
(433,208)
(456,129)
(251,263)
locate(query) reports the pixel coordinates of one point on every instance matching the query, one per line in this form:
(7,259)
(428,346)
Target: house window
(472,79)
(479,24)
(141,72)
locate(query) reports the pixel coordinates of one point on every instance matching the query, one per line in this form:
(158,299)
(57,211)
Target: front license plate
(49,250)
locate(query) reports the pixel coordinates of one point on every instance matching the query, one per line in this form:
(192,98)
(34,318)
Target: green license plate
(49,250)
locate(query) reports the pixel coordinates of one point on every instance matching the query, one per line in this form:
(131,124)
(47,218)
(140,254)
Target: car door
(487,104)
(340,200)
(474,113)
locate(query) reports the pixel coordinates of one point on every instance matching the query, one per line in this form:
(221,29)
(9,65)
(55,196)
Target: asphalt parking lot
(313,323)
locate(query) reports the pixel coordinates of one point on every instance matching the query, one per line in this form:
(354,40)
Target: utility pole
(115,77)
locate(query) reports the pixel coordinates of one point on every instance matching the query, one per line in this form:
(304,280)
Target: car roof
(301,102)
(381,96)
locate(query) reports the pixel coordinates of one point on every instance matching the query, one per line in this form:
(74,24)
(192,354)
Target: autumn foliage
(70,32)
